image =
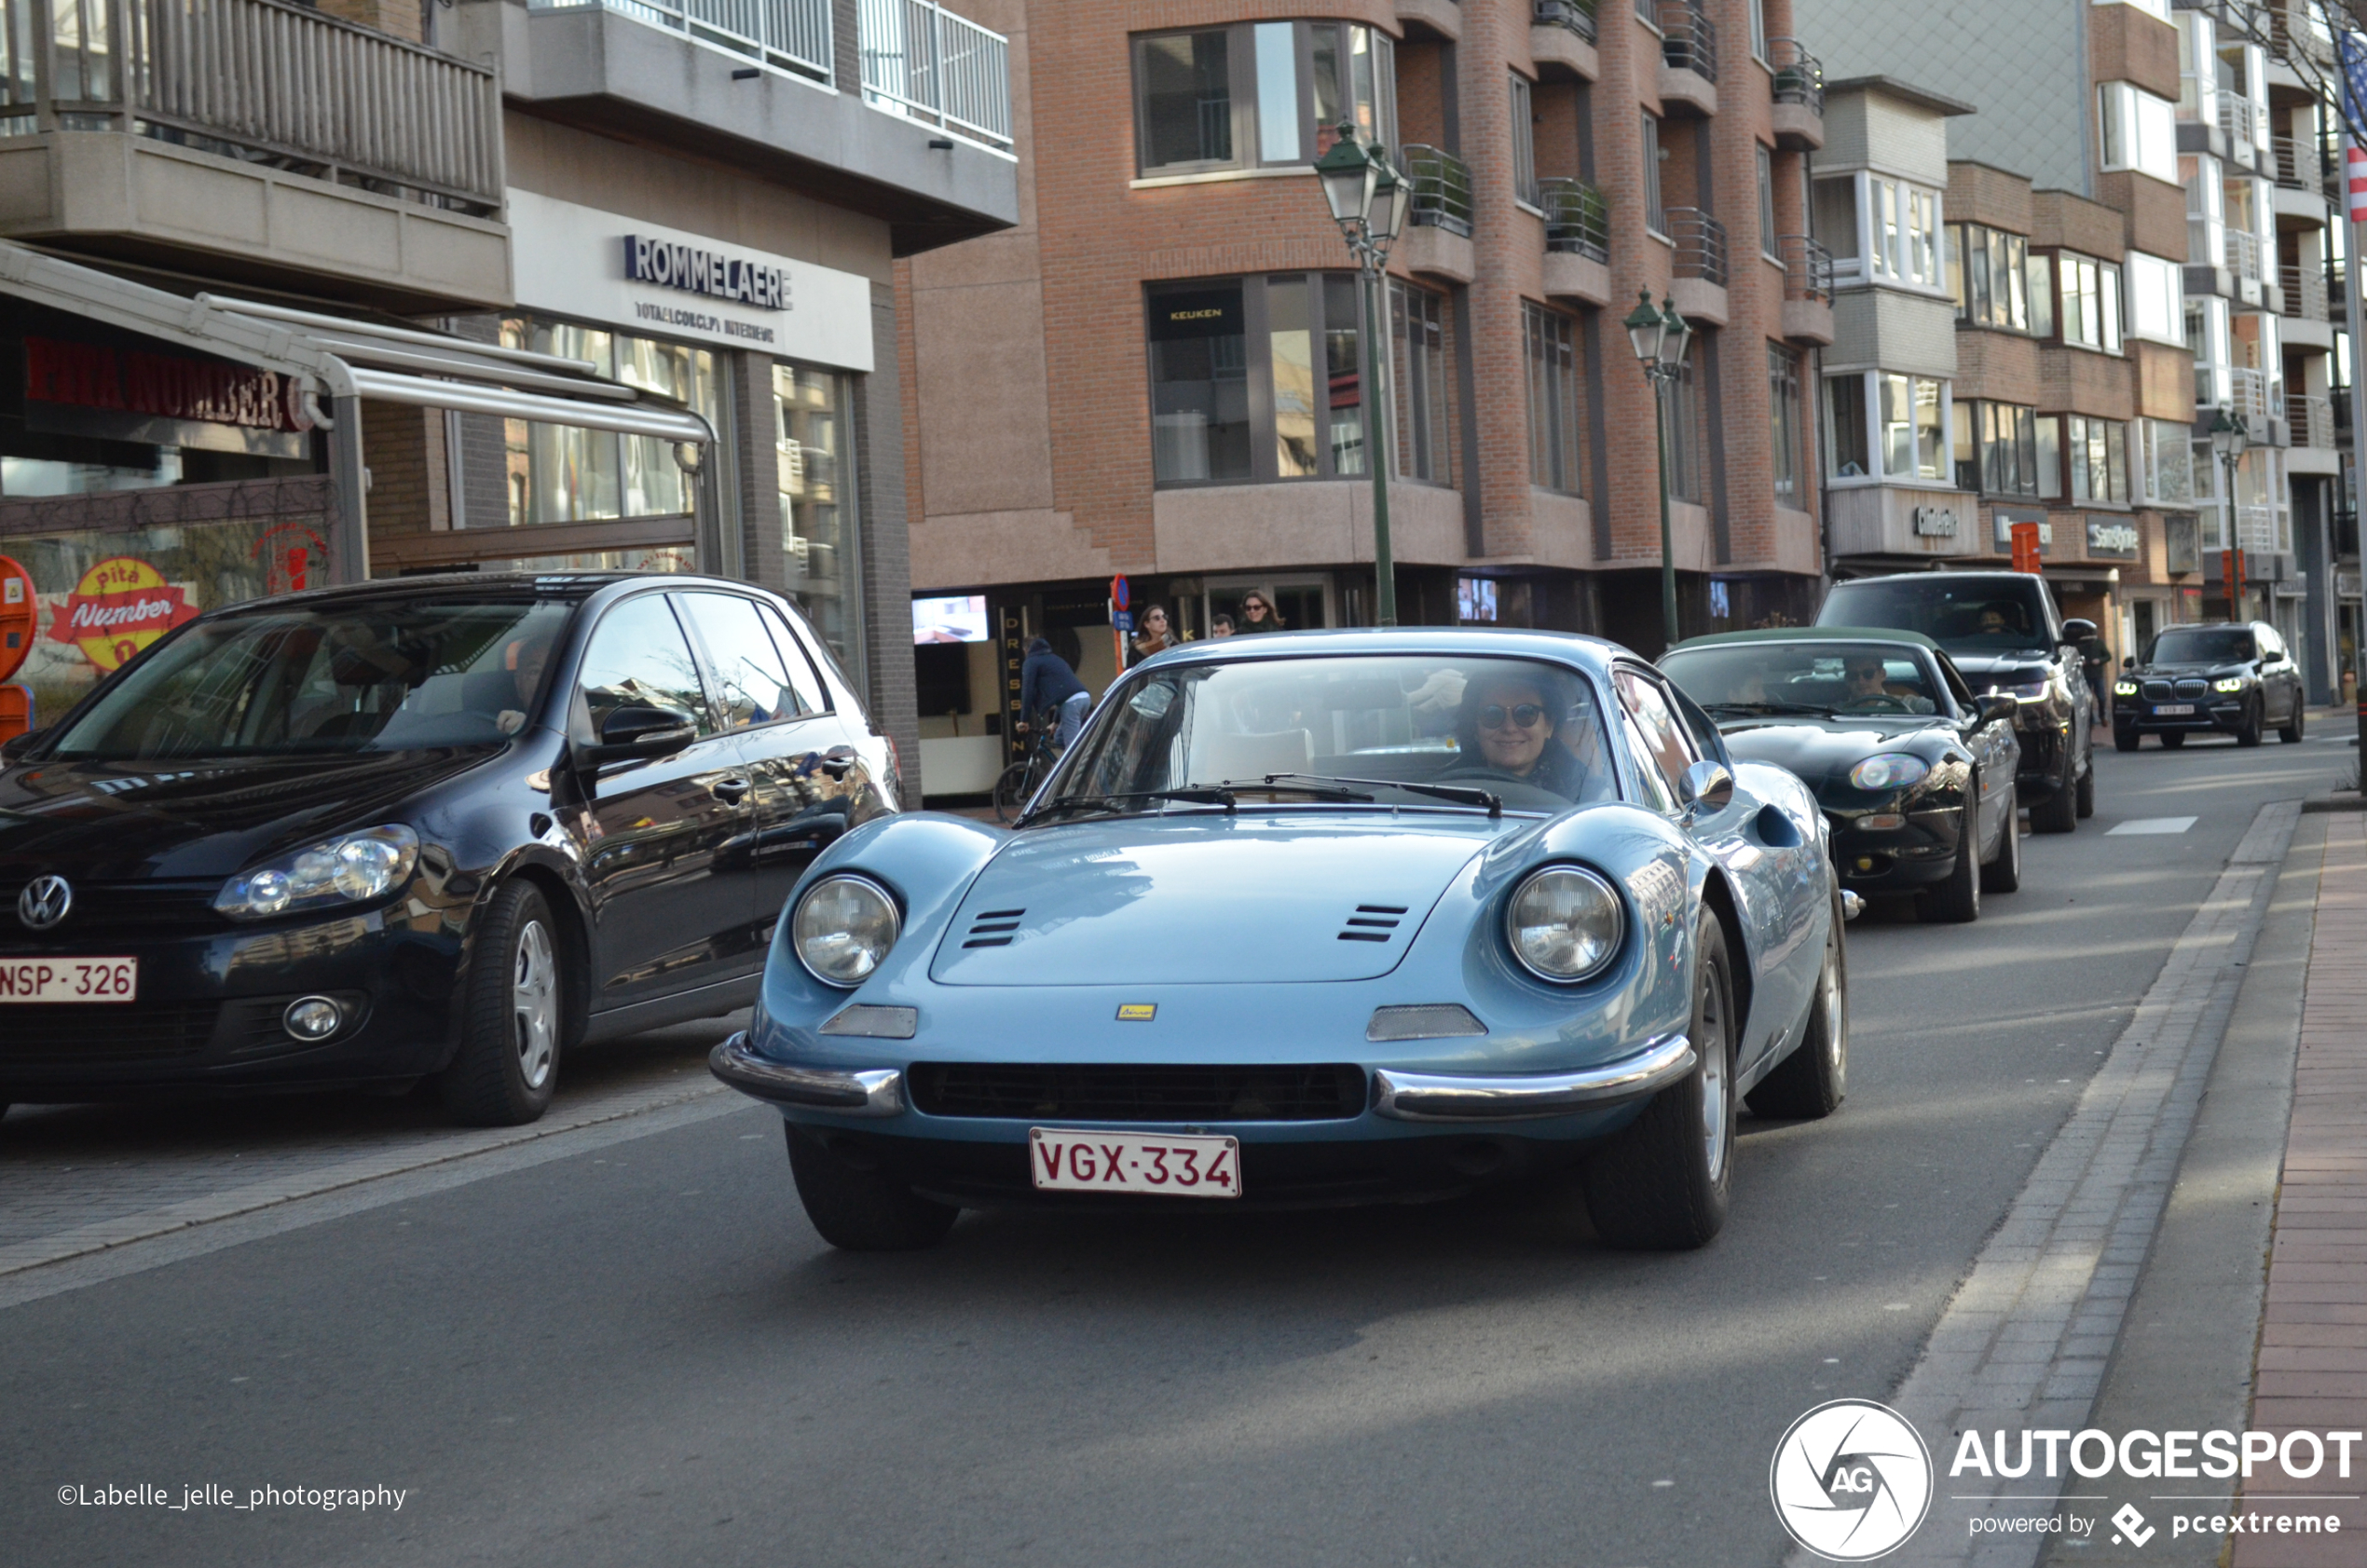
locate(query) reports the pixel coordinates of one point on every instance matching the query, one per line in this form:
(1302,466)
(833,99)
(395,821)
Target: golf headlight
(843,927)
(1890,769)
(1563,923)
(2124,689)
(2228,683)
(353,870)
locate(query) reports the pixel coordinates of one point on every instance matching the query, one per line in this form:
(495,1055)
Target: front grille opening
(70,1034)
(1373,922)
(994,928)
(1049,1091)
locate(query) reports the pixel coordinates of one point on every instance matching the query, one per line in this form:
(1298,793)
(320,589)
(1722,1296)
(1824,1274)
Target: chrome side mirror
(1709,787)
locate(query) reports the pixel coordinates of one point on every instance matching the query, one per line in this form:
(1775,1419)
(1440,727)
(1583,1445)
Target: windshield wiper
(1467,794)
(1768,708)
(1204,795)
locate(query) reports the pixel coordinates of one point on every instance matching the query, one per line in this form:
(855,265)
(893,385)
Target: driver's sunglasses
(1524,716)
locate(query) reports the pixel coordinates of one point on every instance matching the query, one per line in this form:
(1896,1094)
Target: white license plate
(1168,1164)
(69,979)
(2174,710)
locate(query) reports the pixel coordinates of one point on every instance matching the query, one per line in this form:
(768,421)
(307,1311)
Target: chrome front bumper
(1423,1096)
(878,1093)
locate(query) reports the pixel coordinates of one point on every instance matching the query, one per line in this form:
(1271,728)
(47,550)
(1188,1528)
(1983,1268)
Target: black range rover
(2006,635)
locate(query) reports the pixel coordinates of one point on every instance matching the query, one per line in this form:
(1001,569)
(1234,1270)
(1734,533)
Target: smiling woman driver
(1510,729)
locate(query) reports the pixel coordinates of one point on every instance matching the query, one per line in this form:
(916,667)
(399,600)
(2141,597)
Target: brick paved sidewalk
(2312,1372)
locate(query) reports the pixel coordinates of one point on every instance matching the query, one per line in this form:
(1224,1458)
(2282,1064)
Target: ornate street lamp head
(2229,435)
(1393,195)
(1673,342)
(1348,176)
(1646,327)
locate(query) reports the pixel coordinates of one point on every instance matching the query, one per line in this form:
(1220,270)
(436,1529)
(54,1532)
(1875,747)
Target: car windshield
(2203,645)
(1961,614)
(356,678)
(1400,729)
(1803,677)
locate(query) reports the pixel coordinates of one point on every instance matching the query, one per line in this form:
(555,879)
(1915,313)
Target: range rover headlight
(2228,683)
(1889,770)
(353,870)
(1563,923)
(843,927)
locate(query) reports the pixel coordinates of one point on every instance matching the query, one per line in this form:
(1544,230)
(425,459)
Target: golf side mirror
(2078,631)
(630,733)
(1997,705)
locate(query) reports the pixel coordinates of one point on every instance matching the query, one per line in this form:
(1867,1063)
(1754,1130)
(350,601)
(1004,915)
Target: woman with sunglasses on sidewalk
(1258,614)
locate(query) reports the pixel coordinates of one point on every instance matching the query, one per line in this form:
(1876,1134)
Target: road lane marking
(2150,824)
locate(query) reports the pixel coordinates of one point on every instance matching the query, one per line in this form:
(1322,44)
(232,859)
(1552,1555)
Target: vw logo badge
(45,902)
(1852,1481)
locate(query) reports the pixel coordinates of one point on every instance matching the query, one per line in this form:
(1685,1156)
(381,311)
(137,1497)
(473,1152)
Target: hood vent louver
(1373,922)
(994,928)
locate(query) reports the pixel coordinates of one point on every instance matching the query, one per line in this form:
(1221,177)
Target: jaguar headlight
(843,927)
(1563,924)
(2124,689)
(353,870)
(2228,683)
(1889,770)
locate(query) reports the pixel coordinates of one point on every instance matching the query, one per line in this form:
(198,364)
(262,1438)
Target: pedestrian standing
(1258,613)
(1220,626)
(1046,681)
(1156,636)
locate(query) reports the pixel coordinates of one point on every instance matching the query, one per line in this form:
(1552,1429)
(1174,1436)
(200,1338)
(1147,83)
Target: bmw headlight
(1563,923)
(843,927)
(2124,689)
(2228,683)
(353,870)
(1889,770)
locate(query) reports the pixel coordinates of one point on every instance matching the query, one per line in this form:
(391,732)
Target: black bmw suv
(2006,635)
(2224,677)
(433,827)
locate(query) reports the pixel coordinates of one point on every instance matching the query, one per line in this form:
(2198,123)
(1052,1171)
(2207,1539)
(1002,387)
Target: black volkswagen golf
(434,828)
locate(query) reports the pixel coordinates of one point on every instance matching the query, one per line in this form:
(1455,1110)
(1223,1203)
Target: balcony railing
(2248,393)
(260,81)
(790,35)
(1689,39)
(2312,418)
(1808,267)
(1578,16)
(1441,189)
(929,64)
(2244,123)
(1799,75)
(2299,165)
(2305,292)
(2243,254)
(1700,244)
(2256,528)
(2297,34)
(1578,219)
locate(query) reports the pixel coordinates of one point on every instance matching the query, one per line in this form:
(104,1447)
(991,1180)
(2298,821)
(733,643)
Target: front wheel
(858,1207)
(2004,873)
(2059,811)
(2247,731)
(1811,1082)
(2290,734)
(1957,900)
(1015,787)
(2086,796)
(1661,1183)
(513,1015)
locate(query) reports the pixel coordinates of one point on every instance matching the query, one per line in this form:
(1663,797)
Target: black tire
(1957,900)
(2173,739)
(2125,740)
(512,1017)
(1014,787)
(2059,812)
(2290,734)
(2004,872)
(2248,732)
(2085,799)
(1811,1083)
(1655,1185)
(859,1209)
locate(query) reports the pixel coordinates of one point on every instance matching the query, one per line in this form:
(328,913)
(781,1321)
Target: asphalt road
(642,1354)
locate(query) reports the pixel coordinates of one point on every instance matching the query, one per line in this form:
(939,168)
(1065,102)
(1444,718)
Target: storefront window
(818,542)
(562,473)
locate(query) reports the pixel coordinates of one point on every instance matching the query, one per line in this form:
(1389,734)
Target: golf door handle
(838,759)
(731,789)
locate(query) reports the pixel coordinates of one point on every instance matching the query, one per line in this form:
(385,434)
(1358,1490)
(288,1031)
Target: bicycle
(1018,782)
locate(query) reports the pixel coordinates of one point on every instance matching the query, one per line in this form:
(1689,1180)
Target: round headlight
(1890,769)
(845,926)
(1563,923)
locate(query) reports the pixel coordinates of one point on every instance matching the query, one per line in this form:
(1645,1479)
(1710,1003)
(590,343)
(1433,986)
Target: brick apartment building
(1160,370)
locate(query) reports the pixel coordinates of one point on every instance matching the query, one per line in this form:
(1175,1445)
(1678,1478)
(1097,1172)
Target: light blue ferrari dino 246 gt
(1312,919)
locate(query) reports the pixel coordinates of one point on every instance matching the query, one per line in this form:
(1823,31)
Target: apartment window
(1996,447)
(1902,230)
(1655,216)
(1832,218)
(2156,299)
(2050,457)
(1268,94)
(1687,442)
(1424,424)
(1987,275)
(819,540)
(1912,409)
(1765,197)
(1847,454)
(1524,138)
(2197,67)
(1759,29)
(2139,131)
(1555,413)
(1257,379)
(2165,463)
(563,473)
(1783,421)
(2088,302)
(2209,334)
(2096,452)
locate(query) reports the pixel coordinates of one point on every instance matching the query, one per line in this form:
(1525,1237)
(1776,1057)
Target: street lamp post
(1659,336)
(1368,199)
(2229,436)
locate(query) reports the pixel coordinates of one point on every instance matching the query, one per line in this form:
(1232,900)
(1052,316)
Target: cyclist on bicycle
(1046,681)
